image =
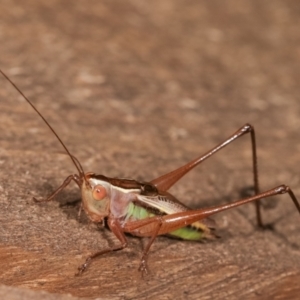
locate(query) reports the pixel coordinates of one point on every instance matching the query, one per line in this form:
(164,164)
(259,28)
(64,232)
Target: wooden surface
(135,89)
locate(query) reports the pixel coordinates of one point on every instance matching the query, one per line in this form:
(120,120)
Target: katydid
(146,209)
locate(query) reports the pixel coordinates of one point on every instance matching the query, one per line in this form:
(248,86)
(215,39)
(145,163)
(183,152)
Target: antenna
(74,160)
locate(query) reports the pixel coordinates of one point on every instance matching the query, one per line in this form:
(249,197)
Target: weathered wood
(136,89)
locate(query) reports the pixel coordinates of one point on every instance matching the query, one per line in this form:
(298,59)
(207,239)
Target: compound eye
(99,192)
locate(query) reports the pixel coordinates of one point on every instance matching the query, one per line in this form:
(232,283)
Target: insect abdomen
(192,233)
(188,233)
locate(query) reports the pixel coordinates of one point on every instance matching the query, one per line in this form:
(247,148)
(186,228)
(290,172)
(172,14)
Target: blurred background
(136,89)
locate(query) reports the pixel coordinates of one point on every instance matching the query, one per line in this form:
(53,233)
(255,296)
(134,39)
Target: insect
(147,209)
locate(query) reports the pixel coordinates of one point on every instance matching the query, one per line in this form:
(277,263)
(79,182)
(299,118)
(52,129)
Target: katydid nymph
(147,209)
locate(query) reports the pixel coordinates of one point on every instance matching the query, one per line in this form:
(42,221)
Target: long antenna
(75,161)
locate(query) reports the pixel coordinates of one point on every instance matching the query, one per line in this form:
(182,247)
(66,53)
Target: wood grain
(136,89)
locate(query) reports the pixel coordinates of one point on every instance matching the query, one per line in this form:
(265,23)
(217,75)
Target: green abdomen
(194,232)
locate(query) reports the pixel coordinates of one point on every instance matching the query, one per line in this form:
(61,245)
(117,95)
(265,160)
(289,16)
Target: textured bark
(136,89)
